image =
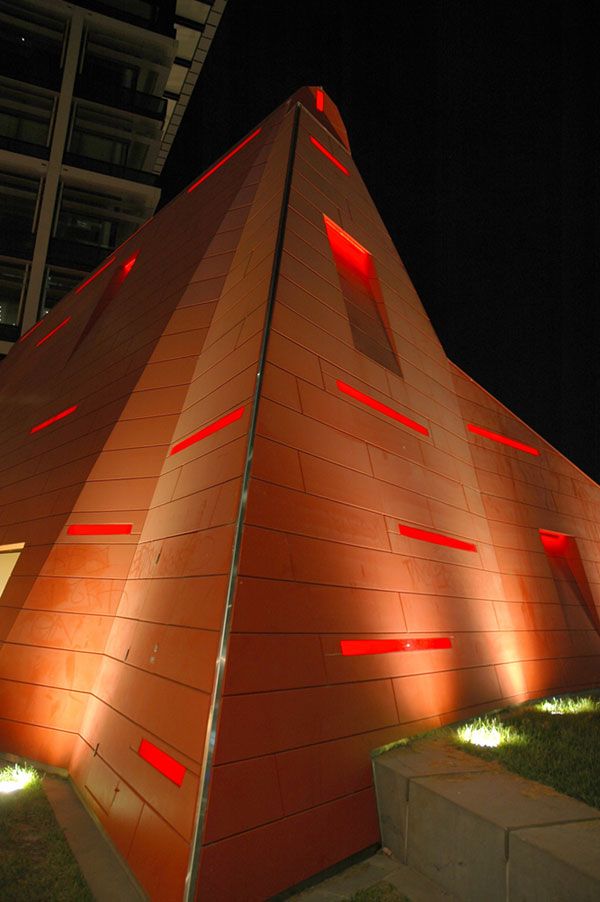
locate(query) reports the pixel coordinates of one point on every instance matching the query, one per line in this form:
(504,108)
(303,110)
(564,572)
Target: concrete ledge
(483,833)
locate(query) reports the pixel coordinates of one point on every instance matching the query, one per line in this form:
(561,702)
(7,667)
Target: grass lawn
(555,742)
(36,862)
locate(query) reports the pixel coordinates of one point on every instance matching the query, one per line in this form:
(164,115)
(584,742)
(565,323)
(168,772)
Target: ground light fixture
(15,778)
(486,733)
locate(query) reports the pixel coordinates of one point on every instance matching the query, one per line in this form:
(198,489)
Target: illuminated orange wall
(112,641)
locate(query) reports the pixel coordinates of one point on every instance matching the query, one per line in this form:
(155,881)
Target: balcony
(114,169)
(73,254)
(15,145)
(34,61)
(90,87)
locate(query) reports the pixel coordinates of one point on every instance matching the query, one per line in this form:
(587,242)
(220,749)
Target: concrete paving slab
(551,864)
(105,872)
(379,868)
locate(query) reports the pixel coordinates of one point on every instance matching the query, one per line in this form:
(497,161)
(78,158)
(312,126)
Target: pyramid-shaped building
(255,524)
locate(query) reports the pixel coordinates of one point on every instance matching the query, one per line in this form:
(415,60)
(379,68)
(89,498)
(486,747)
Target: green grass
(554,742)
(381,892)
(36,862)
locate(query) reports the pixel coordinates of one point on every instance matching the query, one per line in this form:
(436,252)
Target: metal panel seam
(215,706)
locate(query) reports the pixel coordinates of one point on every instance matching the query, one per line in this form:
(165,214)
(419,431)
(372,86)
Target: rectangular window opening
(369,323)
(9,555)
(436,538)
(568,573)
(100,529)
(163,763)
(382,408)
(502,439)
(208,430)
(387,646)
(224,160)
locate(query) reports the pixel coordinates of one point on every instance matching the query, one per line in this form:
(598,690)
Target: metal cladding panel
(253,453)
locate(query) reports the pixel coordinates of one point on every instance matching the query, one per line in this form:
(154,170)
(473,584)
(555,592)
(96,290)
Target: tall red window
(369,324)
(569,575)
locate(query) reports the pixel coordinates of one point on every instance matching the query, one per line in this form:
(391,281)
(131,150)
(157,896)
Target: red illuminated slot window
(96,274)
(495,437)
(100,529)
(224,160)
(329,155)
(435,538)
(367,316)
(208,430)
(59,416)
(320,100)
(29,331)
(46,337)
(385,646)
(163,763)
(377,405)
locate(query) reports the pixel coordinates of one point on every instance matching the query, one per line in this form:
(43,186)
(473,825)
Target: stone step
(481,832)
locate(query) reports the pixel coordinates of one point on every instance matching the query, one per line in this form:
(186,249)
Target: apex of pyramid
(323,108)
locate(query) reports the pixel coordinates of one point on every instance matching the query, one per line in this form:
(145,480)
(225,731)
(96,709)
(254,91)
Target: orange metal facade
(227,458)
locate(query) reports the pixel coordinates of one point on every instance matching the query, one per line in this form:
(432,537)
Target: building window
(369,323)
(57,283)
(13,284)
(18,197)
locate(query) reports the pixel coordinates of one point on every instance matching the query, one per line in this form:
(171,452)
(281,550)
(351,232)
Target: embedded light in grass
(489,733)
(568,705)
(16,777)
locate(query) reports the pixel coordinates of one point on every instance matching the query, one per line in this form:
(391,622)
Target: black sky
(475,128)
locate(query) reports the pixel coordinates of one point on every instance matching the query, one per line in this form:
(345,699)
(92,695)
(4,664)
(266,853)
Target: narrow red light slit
(59,416)
(385,646)
(320,100)
(163,763)
(436,538)
(502,439)
(29,331)
(224,160)
(96,274)
(348,249)
(377,405)
(46,337)
(208,430)
(127,266)
(100,529)
(329,155)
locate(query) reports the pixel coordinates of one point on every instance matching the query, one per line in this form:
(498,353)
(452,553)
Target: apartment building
(91,97)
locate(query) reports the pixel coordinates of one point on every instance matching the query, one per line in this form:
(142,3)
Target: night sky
(475,128)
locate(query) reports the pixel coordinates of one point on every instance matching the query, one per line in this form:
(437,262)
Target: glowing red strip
(320,100)
(96,274)
(385,646)
(208,430)
(162,762)
(435,537)
(329,155)
(502,439)
(377,405)
(29,331)
(58,416)
(46,337)
(100,529)
(127,266)
(224,160)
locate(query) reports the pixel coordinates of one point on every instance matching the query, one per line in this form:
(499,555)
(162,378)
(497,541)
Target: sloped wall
(462,563)
(324,560)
